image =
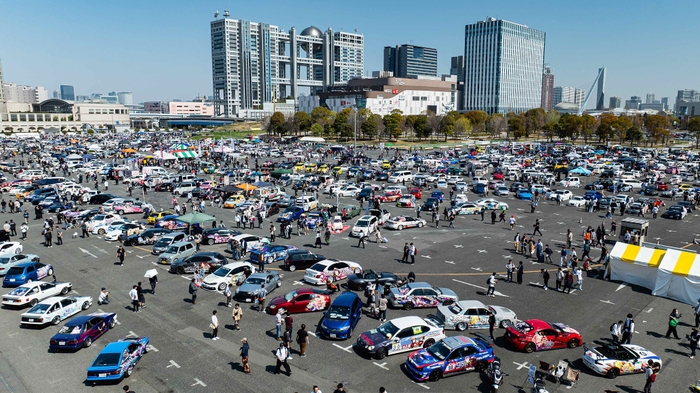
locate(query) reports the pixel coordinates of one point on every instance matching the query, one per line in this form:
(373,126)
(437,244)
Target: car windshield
(222,272)
(39,308)
(338,313)
(290,210)
(15,271)
(70,330)
(439,350)
(455,308)
(4,260)
(291,295)
(106,359)
(362,223)
(162,242)
(172,250)
(255,281)
(388,329)
(19,291)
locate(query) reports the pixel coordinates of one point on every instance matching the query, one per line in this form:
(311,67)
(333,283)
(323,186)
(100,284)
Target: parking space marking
(381,365)
(624,284)
(87,252)
(132,334)
(522,365)
(12,334)
(424,386)
(507,256)
(649,311)
(298,283)
(426,256)
(606,302)
(100,250)
(141,248)
(23,350)
(459,246)
(478,269)
(450,262)
(197,381)
(312,333)
(481,251)
(173,364)
(346,349)
(150,347)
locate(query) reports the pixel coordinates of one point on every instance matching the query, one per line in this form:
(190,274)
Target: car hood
(278,301)
(335,323)
(373,337)
(422,358)
(503,313)
(248,288)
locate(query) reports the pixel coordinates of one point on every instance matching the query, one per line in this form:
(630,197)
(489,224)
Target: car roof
(116,347)
(457,341)
(366,217)
(345,299)
(79,320)
(471,304)
(178,244)
(415,285)
(406,321)
(236,264)
(260,275)
(538,324)
(23,264)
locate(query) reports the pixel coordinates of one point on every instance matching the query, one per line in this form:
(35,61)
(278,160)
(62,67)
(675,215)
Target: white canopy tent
(312,139)
(164,155)
(679,277)
(634,264)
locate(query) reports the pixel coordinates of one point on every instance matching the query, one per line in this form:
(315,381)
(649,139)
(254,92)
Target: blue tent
(581,171)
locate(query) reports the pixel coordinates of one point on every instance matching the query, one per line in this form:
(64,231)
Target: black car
(650,190)
(674,212)
(515,186)
(689,207)
(101,198)
(209,260)
(272,208)
(196,193)
(431,203)
(149,236)
(365,193)
(358,282)
(300,259)
(165,187)
(383,176)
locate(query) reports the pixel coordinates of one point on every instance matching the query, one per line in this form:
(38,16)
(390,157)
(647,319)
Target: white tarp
(164,155)
(312,139)
(634,264)
(679,277)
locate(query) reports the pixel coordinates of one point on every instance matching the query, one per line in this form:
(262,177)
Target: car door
(430,297)
(400,339)
(483,318)
(342,267)
(68,307)
(30,273)
(299,303)
(455,362)
(45,289)
(356,313)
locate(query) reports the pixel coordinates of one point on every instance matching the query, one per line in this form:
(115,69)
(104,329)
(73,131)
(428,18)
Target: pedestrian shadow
(628,389)
(230,327)
(675,352)
(188,300)
(235,366)
(116,263)
(654,334)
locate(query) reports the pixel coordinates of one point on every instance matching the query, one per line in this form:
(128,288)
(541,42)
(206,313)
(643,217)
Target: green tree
(693,127)
(316,129)
(302,122)
(621,125)
(657,128)
(341,128)
(408,122)
(392,125)
(588,126)
(420,125)
(320,114)
(478,120)
(276,123)
(433,122)
(369,127)
(534,120)
(635,134)
(606,127)
(496,125)
(90,131)
(462,127)
(516,127)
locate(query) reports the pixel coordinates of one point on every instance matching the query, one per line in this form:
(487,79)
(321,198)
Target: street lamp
(354,134)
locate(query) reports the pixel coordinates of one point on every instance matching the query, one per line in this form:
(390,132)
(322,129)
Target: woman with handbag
(673,323)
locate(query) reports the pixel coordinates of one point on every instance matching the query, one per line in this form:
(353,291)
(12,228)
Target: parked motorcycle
(495,374)
(539,386)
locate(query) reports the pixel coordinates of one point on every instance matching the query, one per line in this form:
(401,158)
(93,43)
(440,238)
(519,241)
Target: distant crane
(600,83)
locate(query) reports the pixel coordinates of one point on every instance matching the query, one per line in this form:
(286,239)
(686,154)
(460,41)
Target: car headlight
(371,347)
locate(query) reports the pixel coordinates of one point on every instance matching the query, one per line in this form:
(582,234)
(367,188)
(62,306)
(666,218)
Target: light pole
(354,134)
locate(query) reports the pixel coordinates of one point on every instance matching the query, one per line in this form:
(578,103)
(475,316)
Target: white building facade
(20,93)
(568,94)
(61,115)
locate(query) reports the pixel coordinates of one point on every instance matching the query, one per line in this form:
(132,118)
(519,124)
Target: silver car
(248,291)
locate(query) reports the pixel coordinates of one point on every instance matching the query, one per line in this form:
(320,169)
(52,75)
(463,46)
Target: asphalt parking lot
(183,358)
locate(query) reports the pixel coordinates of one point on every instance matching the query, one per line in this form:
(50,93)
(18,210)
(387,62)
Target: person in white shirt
(214,326)
(616,331)
(134,296)
(282,355)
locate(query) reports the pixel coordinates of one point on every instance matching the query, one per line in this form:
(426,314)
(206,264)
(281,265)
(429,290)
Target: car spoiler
(439,322)
(483,339)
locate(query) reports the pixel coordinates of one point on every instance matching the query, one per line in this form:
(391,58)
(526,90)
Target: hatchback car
(177,251)
(26,272)
(399,335)
(365,225)
(342,317)
(248,291)
(82,330)
(7,261)
(301,259)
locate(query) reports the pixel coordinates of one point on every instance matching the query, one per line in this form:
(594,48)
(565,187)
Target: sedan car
(537,335)
(33,292)
(472,314)
(117,360)
(523,193)
(301,259)
(330,269)
(491,204)
(55,309)
(272,252)
(449,356)
(25,272)
(248,291)
(11,248)
(358,282)
(213,236)
(300,301)
(421,294)
(341,318)
(207,261)
(612,360)
(170,222)
(501,191)
(577,201)
(349,191)
(101,198)
(147,237)
(291,213)
(124,230)
(402,222)
(81,331)
(675,212)
(468,208)
(399,335)
(406,201)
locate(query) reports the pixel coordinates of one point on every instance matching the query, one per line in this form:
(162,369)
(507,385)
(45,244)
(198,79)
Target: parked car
(301,259)
(403,222)
(234,273)
(82,331)
(55,309)
(300,300)
(537,335)
(399,335)
(472,314)
(149,236)
(365,225)
(330,269)
(207,261)
(341,318)
(33,292)
(421,294)
(276,252)
(358,282)
(25,272)
(248,290)
(449,356)
(117,360)
(615,359)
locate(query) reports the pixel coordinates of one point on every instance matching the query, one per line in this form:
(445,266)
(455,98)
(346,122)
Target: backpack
(416,251)
(612,327)
(652,377)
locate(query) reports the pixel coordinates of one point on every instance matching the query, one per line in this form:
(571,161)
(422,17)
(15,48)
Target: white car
(232,273)
(402,222)
(453,180)
(102,229)
(349,191)
(365,225)
(492,204)
(461,186)
(577,201)
(562,195)
(616,359)
(11,248)
(337,224)
(251,241)
(334,269)
(103,219)
(441,184)
(472,314)
(570,182)
(33,292)
(459,198)
(502,191)
(55,309)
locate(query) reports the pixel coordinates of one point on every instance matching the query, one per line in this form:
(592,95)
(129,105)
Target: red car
(537,335)
(661,186)
(389,196)
(498,176)
(416,192)
(301,300)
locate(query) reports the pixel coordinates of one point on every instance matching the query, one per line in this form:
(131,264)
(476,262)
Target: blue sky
(160,49)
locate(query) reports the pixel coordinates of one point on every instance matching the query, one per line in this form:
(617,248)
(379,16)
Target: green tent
(185,154)
(195,218)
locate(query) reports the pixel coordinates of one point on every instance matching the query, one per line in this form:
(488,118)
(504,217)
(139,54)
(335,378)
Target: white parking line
(381,365)
(150,347)
(132,334)
(312,333)
(606,302)
(12,334)
(522,365)
(424,386)
(426,256)
(480,287)
(450,262)
(478,269)
(173,364)
(197,381)
(298,283)
(346,349)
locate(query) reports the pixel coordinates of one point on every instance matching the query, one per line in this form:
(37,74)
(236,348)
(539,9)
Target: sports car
(149,236)
(103,219)
(675,212)
(155,216)
(248,291)
(449,356)
(170,222)
(117,360)
(524,194)
(399,335)
(102,229)
(82,330)
(421,294)
(402,222)
(300,300)
(132,207)
(277,252)
(11,248)
(55,309)
(291,213)
(358,282)
(491,204)
(333,269)
(406,201)
(25,272)
(468,208)
(213,236)
(537,335)
(208,261)
(128,229)
(313,219)
(389,196)
(416,191)
(472,314)
(612,360)
(7,261)
(33,292)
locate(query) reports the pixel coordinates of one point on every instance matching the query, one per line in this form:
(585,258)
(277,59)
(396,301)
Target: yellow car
(386,165)
(299,166)
(337,170)
(155,216)
(685,187)
(233,201)
(323,168)
(311,167)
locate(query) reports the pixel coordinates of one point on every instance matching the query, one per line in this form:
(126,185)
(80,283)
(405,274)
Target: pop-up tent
(679,277)
(634,264)
(581,171)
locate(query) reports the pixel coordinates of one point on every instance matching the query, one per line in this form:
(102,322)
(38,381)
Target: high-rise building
(155,107)
(633,103)
(568,94)
(664,102)
(67,93)
(407,61)
(547,89)
(254,63)
(503,64)
(650,98)
(28,94)
(686,96)
(615,102)
(2,82)
(57,94)
(457,67)
(125,98)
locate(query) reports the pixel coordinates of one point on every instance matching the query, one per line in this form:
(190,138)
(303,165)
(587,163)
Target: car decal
(317,303)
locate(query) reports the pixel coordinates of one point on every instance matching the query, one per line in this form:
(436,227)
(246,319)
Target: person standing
(559,278)
(228,294)
(628,330)
(510,267)
(282,355)
(214,326)
(520,272)
(511,222)
(262,294)
(24,228)
(568,281)
(492,285)
(360,241)
(697,314)
(493,217)
(302,339)
(288,322)
(153,280)
(236,314)
(318,239)
(404,258)
(261,261)
(383,303)
(139,291)
(13,228)
(579,278)
(492,325)
(59,237)
(516,242)
(120,255)
(673,323)
(412,253)
(569,238)
(650,374)
(545,276)
(694,337)
(616,332)
(134,296)
(278,324)
(244,355)
(193,291)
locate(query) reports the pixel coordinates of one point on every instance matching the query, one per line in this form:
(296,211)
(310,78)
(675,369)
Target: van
(164,242)
(176,251)
(184,188)
(400,177)
(307,202)
(634,183)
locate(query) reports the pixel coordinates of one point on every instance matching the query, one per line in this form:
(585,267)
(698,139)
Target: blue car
(82,330)
(291,213)
(524,194)
(117,360)
(593,195)
(480,188)
(313,219)
(439,195)
(342,317)
(277,252)
(449,356)
(26,272)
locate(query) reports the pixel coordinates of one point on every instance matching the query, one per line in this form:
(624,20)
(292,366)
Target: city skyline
(178,63)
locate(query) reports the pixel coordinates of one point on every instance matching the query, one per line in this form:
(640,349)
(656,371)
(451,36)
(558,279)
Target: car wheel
(33,302)
(101,232)
(573,343)
(29,280)
(210,242)
(381,353)
(279,284)
(292,268)
(358,270)
(121,212)
(505,323)
(462,326)
(420,225)
(180,270)
(530,348)
(56,320)
(435,375)
(17,251)
(429,342)
(400,228)
(113,323)
(87,342)
(64,291)
(613,373)
(408,306)
(86,305)
(129,371)
(222,286)
(50,272)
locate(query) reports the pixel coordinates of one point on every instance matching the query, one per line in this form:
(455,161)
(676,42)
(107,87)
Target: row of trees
(533,123)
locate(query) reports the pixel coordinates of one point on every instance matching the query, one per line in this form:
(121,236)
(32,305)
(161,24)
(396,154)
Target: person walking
(120,255)
(492,285)
(493,217)
(244,355)
(153,280)
(545,276)
(520,272)
(492,325)
(511,222)
(559,278)
(628,330)
(228,294)
(302,339)
(236,314)
(412,251)
(282,354)
(24,228)
(650,374)
(510,268)
(616,332)
(537,227)
(288,322)
(694,337)
(214,325)
(569,238)
(579,278)
(134,296)
(193,291)
(318,239)
(383,303)
(262,294)
(516,242)
(673,323)
(361,240)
